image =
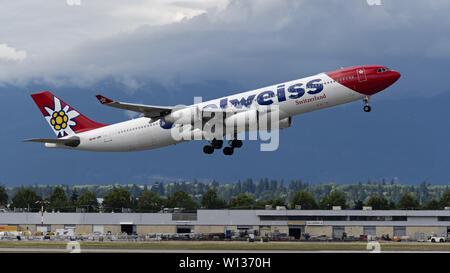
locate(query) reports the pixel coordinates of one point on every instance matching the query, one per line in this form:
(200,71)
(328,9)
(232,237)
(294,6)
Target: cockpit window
(381,70)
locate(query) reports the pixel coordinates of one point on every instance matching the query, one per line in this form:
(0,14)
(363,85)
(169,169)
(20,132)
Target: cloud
(11,54)
(258,42)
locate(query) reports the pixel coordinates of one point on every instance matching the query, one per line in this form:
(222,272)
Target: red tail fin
(63,119)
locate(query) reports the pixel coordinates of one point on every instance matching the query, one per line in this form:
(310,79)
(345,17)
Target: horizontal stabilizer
(71,142)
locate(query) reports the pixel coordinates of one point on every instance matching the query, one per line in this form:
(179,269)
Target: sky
(166,52)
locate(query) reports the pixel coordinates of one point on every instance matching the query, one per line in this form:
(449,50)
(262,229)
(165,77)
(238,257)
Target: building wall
(264,230)
(281,229)
(443,230)
(354,230)
(115,229)
(53,228)
(153,229)
(230,227)
(84,228)
(209,229)
(30,228)
(256,227)
(319,230)
(411,231)
(384,230)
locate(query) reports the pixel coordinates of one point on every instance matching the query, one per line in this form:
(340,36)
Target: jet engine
(183,116)
(254,120)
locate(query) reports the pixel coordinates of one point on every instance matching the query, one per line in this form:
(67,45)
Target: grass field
(209,245)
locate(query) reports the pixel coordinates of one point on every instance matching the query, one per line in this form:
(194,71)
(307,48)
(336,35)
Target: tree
(433,205)
(181,199)
(74,199)
(74,196)
(88,200)
(242,201)
(445,199)
(275,202)
(408,202)
(304,199)
(358,204)
(210,200)
(58,200)
(378,203)
(392,205)
(150,201)
(158,188)
(3,196)
(26,198)
(116,200)
(335,198)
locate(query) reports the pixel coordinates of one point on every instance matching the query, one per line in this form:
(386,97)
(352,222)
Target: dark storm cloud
(260,42)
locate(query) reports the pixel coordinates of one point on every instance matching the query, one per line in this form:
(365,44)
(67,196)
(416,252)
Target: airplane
(153,128)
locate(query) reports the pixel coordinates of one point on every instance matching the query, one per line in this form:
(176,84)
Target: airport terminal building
(293,223)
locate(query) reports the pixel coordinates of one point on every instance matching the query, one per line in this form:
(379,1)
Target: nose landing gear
(366,107)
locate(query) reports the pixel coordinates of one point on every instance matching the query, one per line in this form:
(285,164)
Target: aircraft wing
(223,111)
(72,141)
(150,111)
(153,111)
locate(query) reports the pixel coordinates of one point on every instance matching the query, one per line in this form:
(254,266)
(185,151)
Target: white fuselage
(144,133)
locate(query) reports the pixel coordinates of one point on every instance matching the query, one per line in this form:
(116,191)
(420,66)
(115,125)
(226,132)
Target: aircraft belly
(163,137)
(329,97)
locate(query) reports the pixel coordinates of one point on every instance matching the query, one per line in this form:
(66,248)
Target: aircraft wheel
(208,149)
(217,144)
(228,150)
(367,108)
(236,143)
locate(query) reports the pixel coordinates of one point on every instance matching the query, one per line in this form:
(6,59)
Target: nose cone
(388,79)
(395,76)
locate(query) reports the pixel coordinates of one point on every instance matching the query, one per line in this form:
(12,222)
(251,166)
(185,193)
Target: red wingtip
(103,100)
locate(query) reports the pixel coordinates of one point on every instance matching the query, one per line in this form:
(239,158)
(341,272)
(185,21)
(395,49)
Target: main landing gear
(367,107)
(235,143)
(217,144)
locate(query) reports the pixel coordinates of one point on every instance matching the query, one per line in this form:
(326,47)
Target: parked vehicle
(435,239)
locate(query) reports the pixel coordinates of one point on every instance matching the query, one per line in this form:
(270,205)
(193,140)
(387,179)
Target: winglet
(104,100)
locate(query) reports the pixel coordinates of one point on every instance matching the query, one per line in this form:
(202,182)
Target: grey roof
(356,212)
(87,218)
(222,217)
